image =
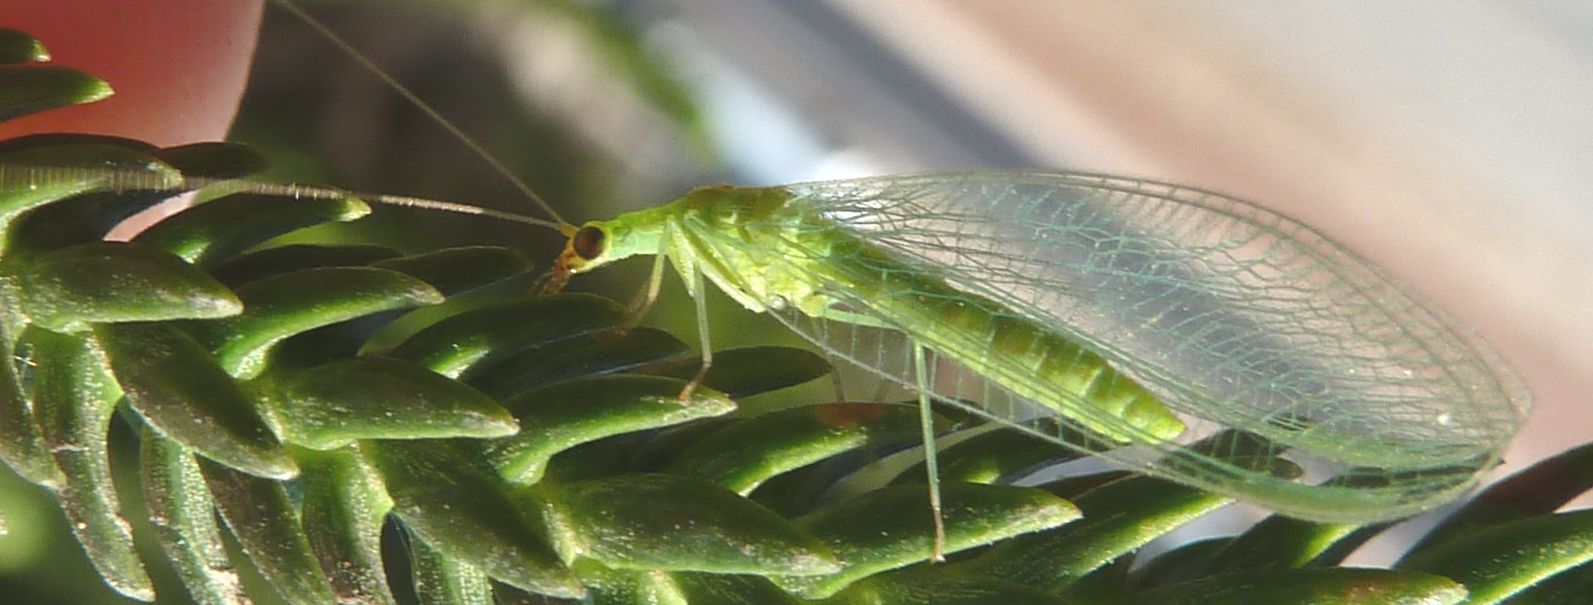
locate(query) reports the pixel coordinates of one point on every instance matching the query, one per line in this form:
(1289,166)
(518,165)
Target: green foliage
(537,449)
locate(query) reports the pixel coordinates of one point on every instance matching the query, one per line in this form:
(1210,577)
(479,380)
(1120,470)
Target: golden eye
(589,242)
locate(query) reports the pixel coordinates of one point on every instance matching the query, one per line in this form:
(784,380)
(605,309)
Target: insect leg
(700,299)
(644,299)
(926,420)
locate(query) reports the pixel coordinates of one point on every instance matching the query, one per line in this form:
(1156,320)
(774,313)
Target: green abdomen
(1038,364)
(1010,350)
(811,255)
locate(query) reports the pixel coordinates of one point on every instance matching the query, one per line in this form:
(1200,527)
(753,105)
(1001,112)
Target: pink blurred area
(178,66)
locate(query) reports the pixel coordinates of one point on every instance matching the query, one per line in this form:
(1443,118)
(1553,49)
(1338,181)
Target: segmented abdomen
(1015,352)
(790,254)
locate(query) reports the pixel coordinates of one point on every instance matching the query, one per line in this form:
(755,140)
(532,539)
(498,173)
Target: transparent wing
(1235,316)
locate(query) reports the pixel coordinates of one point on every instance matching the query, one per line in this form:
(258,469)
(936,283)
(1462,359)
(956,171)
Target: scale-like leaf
(698,526)
(261,516)
(176,386)
(1118,518)
(183,514)
(918,587)
(373,398)
(440,579)
(73,397)
(990,456)
(629,587)
(726,589)
(740,457)
(1537,490)
(1185,562)
(26,89)
(21,446)
(1334,586)
(67,289)
(1501,560)
(214,159)
(561,416)
(591,354)
(453,345)
(748,371)
(19,47)
(623,586)
(1569,586)
(343,509)
(284,305)
(1284,542)
(445,493)
(892,527)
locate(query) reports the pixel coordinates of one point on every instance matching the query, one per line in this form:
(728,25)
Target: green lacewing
(1146,314)
(1126,318)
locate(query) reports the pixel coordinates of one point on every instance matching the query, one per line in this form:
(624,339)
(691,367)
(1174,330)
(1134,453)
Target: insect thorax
(759,245)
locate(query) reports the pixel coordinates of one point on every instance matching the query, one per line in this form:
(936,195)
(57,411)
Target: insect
(1123,317)
(1147,314)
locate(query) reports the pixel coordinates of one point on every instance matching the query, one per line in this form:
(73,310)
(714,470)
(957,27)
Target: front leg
(643,302)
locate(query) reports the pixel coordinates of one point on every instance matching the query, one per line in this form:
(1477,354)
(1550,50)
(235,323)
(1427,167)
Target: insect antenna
(558,222)
(315,192)
(127,179)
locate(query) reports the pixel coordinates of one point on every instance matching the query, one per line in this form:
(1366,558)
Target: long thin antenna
(133,179)
(426,108)
(300,191)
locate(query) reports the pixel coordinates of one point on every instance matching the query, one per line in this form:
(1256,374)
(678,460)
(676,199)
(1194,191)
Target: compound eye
(588,243)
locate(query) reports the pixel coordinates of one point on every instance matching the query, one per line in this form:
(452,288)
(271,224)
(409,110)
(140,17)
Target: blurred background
(1451,143)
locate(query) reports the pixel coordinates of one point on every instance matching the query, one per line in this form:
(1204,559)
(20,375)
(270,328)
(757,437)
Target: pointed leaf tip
(374,398)
(567,414)
(106,282)
(26,89)
(670,522)
(21,47)
(175,385)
